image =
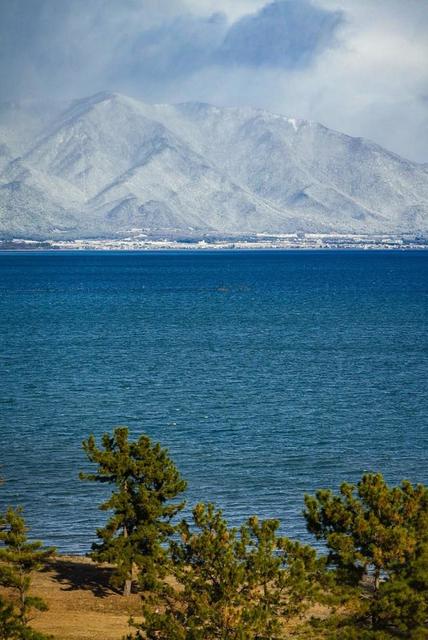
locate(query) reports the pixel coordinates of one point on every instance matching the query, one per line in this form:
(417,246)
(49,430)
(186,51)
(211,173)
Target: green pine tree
(19,559)
(376,536)
(283,576)
(369,528)
(232,584)
(142,504)
(402,604)
(9,623)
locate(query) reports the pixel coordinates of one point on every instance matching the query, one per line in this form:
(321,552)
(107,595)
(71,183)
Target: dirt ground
(82,606)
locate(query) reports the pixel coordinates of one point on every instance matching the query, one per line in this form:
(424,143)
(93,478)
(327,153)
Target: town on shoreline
(259,241)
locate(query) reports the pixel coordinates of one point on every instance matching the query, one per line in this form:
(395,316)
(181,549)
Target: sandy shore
(82,606)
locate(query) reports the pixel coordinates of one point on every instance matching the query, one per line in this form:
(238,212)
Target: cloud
(234,9)
(68,48)
(75,46)
(282,34)
(356,65)
(178,47)
(376,83)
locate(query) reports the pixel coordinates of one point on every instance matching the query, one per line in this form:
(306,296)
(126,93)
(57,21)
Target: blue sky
(360,66)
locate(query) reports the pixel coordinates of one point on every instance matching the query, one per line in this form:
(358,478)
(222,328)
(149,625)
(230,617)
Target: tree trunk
(127,587)
(376,581)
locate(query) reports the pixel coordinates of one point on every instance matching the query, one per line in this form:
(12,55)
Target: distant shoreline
(219,250)
(285,242)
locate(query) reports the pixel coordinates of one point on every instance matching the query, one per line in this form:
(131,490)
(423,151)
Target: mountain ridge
(110,165)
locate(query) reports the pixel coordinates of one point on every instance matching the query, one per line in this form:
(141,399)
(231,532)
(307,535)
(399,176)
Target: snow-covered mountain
(110,165)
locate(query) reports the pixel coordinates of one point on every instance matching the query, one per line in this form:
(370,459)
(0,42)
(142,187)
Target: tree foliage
(377,540)
(232,584)
(402,603)
(142,505)
(19,559)
(206,581)
(9,624)
(370,526)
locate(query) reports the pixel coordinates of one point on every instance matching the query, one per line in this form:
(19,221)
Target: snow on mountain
(108,164)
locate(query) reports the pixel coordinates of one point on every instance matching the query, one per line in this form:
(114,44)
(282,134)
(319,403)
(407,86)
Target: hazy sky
(360,66)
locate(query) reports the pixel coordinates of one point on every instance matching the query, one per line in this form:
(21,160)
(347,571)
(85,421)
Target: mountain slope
(111,165)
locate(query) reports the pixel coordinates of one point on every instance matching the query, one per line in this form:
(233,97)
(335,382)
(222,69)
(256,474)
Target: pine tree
(19,559)
(402,604)
(232,584)
(283,576)
(377,540)
(369,528)
(9,624)
(142,504)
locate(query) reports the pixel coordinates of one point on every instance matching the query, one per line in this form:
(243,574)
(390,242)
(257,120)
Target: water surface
(266,374)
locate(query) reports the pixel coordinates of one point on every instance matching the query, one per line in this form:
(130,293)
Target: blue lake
(266,374)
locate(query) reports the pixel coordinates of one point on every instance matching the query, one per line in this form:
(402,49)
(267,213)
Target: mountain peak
(101,96)
(109,163)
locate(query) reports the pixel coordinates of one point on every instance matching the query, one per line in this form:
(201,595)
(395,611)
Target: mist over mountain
(110,165)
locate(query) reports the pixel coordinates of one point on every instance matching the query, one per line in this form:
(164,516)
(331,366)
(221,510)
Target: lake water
(266,374)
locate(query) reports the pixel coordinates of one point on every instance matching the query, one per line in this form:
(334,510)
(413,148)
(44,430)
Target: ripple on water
(267,374)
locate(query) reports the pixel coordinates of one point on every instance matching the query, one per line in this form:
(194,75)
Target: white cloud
(365,74)
(376,83)
(234,9)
